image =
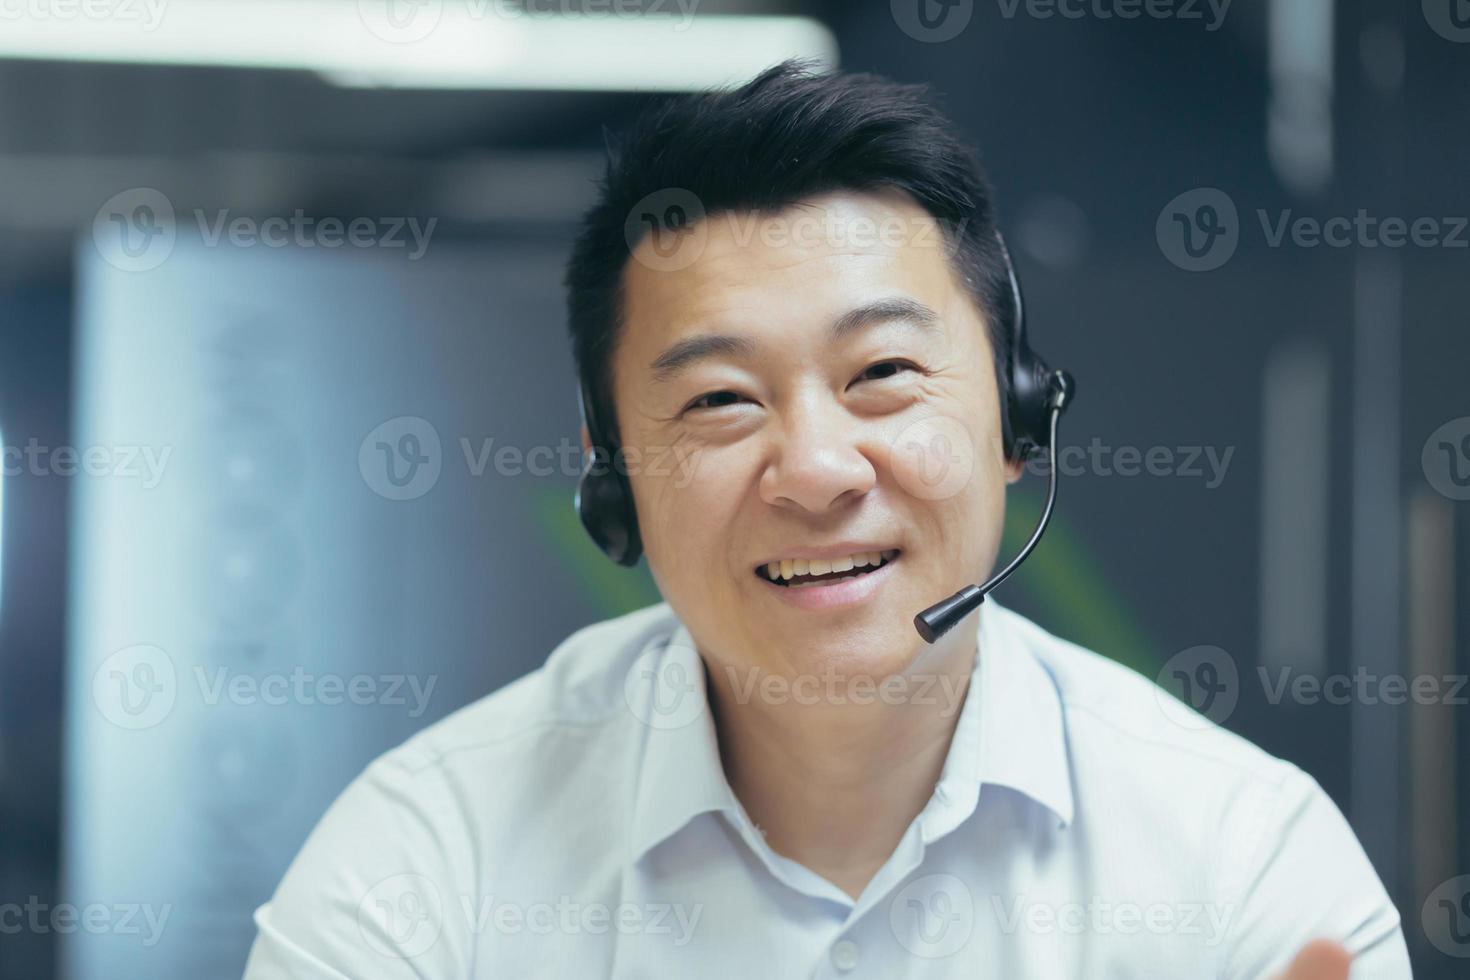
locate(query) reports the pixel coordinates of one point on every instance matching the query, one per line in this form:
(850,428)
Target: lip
(840,550)
(838,595)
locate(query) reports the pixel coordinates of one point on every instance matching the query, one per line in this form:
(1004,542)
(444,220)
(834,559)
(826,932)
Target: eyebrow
(681,355)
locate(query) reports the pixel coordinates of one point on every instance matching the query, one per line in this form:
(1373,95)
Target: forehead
(792,270)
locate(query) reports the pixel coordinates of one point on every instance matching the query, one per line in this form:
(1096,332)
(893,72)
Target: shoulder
(1149,773)
(494,770)
(1155,778)
(576,697)
(475,797)
(1115,714)
(518,748)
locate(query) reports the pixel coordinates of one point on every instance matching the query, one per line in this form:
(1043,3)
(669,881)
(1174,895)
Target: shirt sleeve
(378,889)
(1300,874)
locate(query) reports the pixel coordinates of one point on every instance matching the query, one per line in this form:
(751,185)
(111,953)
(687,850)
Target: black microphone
(944,615)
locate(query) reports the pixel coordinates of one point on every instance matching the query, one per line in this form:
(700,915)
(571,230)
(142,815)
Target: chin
(877,643)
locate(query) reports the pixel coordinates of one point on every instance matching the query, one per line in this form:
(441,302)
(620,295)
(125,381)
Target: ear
(586,441)
(1014,469)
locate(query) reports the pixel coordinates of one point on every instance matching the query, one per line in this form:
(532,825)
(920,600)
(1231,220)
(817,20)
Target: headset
(1036,397)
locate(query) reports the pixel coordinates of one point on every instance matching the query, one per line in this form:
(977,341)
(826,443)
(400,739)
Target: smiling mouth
(801,573)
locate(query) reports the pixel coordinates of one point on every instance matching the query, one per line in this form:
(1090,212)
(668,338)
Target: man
(795,288)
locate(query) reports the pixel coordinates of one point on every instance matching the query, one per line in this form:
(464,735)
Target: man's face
(814,387)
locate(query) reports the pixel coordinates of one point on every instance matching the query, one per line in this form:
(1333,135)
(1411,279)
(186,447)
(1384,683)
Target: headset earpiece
(604,498)
(1027,415)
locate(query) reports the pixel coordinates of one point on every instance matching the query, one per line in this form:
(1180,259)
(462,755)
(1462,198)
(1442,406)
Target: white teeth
(789,568)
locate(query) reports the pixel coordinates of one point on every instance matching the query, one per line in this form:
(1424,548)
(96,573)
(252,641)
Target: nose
(818,463)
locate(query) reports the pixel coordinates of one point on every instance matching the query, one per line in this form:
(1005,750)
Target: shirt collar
(681,775)
(1012,735)
(1023,736)
(1010,732)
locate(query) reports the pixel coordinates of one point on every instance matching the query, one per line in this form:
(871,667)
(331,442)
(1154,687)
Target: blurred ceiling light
(440,44)
(1299,132)
(1053,230)
(2,516)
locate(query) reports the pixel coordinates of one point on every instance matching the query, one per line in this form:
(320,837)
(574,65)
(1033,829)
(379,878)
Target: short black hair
(793,132)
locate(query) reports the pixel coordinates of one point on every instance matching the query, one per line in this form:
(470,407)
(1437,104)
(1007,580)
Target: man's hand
(1320,959)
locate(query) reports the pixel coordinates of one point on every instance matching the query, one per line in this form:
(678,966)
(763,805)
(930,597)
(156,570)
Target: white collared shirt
(578,823)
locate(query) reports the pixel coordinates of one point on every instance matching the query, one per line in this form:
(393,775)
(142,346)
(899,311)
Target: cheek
(687,508)
(953,471)
(934,458)
(943,459)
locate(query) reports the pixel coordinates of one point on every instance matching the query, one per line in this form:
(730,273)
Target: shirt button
(845,955)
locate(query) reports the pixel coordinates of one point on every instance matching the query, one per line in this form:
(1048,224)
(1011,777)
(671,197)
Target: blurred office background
(229,459)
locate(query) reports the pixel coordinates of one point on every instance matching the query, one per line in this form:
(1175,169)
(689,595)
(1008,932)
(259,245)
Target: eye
(884,370)
(714,399)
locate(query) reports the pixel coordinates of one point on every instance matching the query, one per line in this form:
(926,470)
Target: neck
(835,784)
